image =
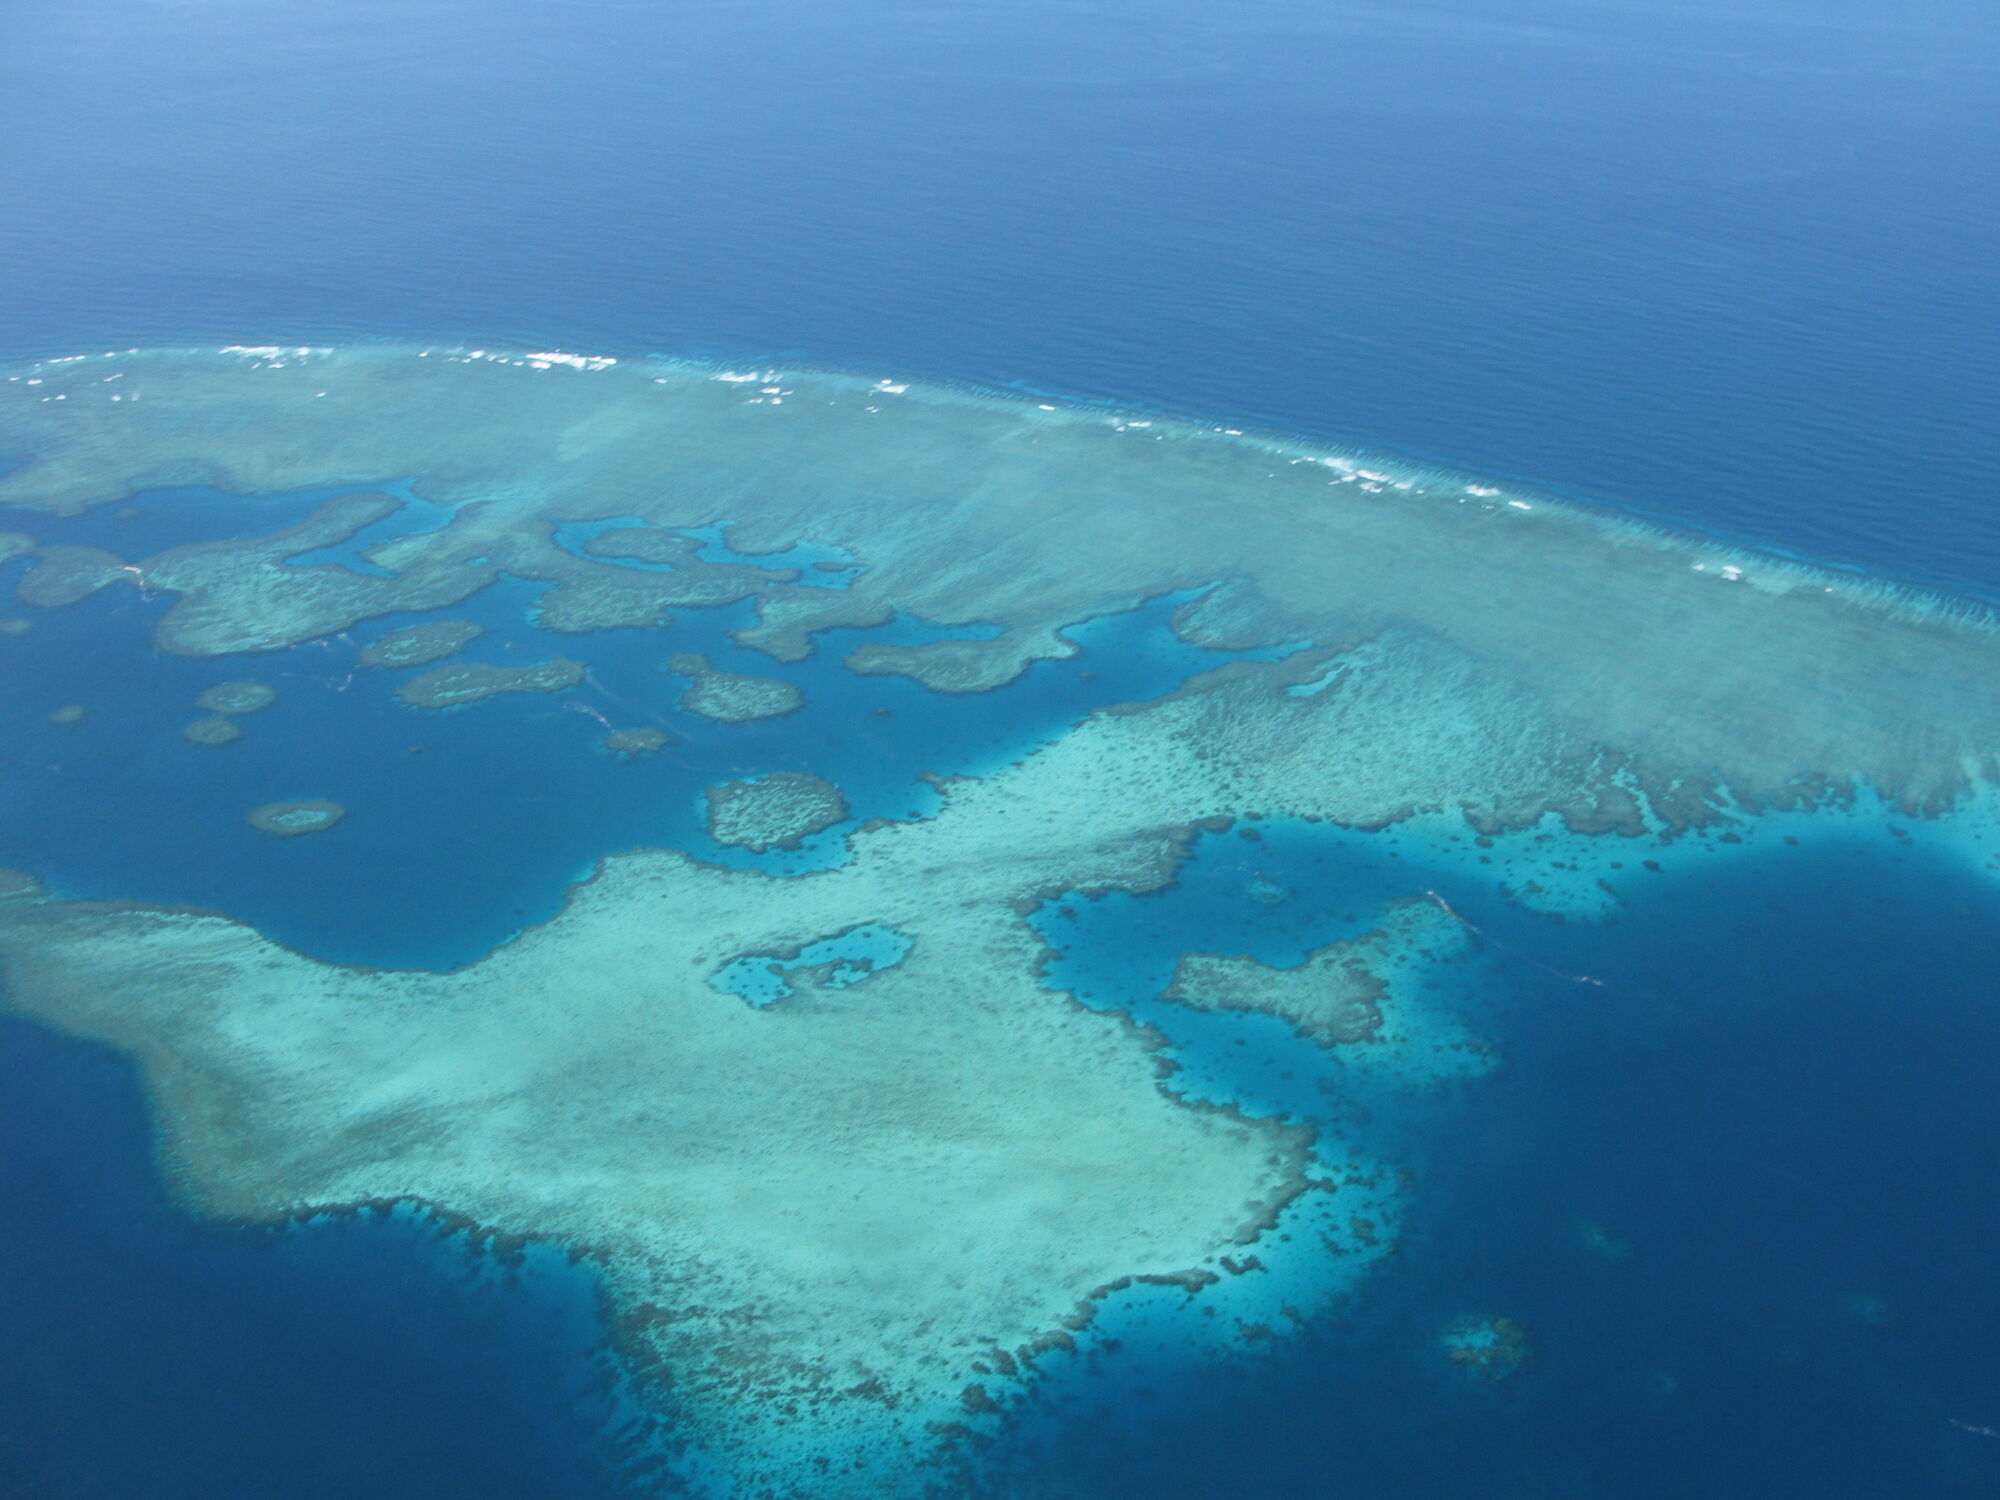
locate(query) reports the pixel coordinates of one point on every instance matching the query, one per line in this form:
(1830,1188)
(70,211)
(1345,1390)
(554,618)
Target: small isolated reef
(732,697)
(777,811)
(845,1222)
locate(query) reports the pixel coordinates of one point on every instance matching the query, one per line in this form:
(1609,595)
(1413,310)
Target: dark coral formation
(467,682)
(598,591)
(963,666)
(244,594)
(645,741)
(1489,1349)
(1332,998)
(216,729)
(237,697)
(418,645)
(694,582)
(289,819)
(732,697)
(63,575)
(775,811)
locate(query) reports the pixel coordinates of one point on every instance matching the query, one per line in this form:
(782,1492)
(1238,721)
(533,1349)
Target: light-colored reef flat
(15,625)
(216,729)
(1674,666)
(774,811)
(237,697)
(69,713)
(463,682)
(416,645)
(731,697)
(289,819)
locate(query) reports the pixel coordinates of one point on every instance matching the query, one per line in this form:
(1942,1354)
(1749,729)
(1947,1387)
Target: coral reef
(842,1219)
(973,506)
(289,819)
(216,729)
(839,1186)
(63,575)
(837,962)
(644,741)
(774,811)
(1489,1349)
(418,645)
(237,697)
(459,683)
(1335,997)
(731,697)
(964,666)
(243,595)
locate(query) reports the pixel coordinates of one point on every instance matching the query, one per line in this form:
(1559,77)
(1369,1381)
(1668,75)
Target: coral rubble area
(827,1222)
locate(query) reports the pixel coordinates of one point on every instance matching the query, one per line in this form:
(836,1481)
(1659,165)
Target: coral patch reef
(460,683)
(732,697)
(419,645)
(289,819)
(774,811)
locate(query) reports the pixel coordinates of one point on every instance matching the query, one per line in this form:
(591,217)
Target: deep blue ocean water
(1729,262)
(1732,265)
